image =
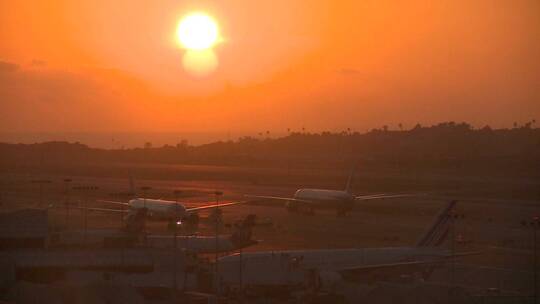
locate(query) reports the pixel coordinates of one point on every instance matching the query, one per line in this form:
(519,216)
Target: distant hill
(448,144)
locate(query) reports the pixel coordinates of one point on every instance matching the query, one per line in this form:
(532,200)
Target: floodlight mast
(41,182)
(176,219)
(144,190)
(217,195)
(536,222)
(85,190)
(66,194)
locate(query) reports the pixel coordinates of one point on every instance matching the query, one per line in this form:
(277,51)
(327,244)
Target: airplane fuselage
(335,259)
(343,201)
(289,267)
(323,195)
(162,209)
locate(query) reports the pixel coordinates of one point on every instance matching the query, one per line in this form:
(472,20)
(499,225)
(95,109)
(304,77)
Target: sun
(197,31)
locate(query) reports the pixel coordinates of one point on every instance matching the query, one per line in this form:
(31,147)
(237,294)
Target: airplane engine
(292,206)
(344,207)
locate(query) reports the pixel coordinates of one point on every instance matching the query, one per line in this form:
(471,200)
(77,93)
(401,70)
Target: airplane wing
(279,198)
(358,198)
(382,196)
(484,200)
(399,267)
(101,209)
(389,266)
(114,202)
(212,206)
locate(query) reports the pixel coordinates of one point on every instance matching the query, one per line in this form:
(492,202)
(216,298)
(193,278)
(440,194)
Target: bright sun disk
(197,31)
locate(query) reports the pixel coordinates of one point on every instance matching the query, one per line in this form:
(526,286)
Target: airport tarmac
(501,230)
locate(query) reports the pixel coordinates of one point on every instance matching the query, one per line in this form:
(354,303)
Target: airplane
(174,212)
(133,234)
(342,200)
(289,268)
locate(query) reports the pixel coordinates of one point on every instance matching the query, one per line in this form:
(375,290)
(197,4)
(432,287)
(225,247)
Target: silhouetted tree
(182,144)
(437,145)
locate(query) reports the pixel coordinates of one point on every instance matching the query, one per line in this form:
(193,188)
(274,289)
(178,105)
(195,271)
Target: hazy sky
(114,66)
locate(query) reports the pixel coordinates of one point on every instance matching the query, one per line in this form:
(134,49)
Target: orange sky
(114,66)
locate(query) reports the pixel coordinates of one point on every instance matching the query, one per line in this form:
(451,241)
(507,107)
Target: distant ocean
(117,140)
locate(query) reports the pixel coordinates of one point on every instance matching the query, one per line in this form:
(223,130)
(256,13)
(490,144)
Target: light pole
(535,223)
(41,182)
(453,244)
(176,219)
(217,194)
(66,193)
(85,190)
(144,189)
(241,278)
(121,196)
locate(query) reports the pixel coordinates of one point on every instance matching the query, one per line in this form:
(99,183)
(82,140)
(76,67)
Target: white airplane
(167,210)
(290,268)
(343,200)
(172,211)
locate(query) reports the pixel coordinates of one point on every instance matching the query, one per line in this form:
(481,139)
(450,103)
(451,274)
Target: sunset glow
(242,67)
(200,62)
(197,31)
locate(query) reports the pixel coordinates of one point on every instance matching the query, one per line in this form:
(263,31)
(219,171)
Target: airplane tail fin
(242,235)
(438,231)
(349,181)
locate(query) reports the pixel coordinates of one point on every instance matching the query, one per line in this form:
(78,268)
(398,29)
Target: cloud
(7,67)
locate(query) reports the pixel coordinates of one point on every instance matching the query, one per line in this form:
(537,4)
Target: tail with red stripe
(438,231)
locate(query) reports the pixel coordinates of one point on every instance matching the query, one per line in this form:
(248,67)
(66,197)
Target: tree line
(443,144)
